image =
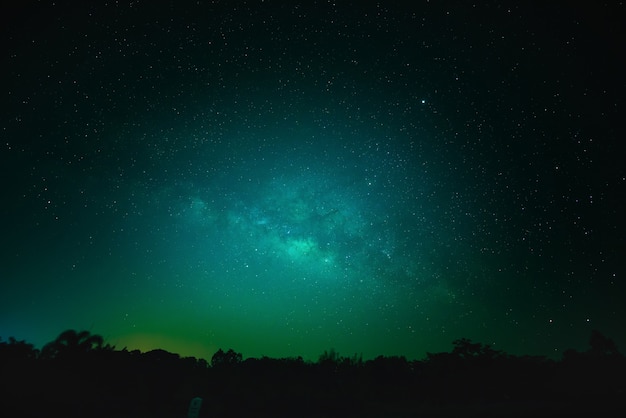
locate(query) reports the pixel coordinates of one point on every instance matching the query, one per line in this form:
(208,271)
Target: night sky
(283,178)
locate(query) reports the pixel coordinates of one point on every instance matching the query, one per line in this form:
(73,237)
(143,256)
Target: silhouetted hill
(77,375)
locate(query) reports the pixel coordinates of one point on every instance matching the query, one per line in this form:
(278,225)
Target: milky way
(282,179)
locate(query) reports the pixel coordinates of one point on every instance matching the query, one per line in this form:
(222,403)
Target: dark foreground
(77,376)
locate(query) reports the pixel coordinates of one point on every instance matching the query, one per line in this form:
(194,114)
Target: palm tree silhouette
(72,344)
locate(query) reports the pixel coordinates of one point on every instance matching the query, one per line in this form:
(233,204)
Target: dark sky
(283,178)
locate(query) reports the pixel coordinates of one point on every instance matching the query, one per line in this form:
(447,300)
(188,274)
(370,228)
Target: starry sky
(282,178)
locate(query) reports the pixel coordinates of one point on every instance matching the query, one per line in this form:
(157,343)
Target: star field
(287,178)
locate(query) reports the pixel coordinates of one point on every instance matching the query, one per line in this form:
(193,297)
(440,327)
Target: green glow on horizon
(368,184)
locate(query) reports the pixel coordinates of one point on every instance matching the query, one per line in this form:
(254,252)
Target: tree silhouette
(72,344)
(601,345)
(14,349)
(76,374)
(229,358)
(466,349)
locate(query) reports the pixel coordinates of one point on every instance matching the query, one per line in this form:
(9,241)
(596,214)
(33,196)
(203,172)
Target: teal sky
(286,179)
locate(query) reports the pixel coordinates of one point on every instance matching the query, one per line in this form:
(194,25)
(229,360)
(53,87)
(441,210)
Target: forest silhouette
(78,375)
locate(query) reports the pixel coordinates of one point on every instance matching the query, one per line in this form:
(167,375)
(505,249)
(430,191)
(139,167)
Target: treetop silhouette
(71,343)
